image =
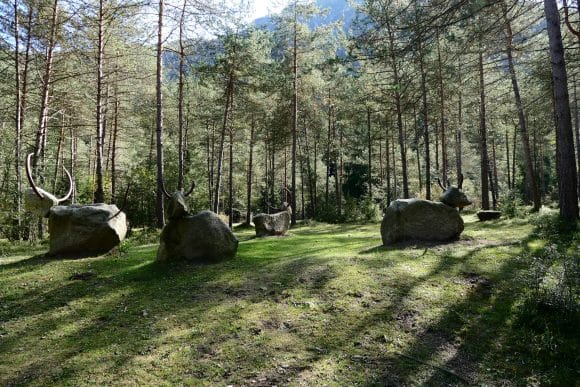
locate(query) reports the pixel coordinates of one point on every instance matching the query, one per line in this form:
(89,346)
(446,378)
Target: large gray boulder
(202,237)
(417,219)
(85,230)
(272,224)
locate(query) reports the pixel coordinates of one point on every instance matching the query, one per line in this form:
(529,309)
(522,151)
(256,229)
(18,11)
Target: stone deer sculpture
(203,237)
(274,224)
(419,219)
(76,230)
(40,201)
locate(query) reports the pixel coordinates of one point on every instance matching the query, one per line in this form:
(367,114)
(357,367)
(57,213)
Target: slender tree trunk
(46,83)
(18,124)
(339,172)
(483,138)
(515,142)
(73,160)
(442,107)
(159,208)
(577,130)
(370,153)
(417,148)
(507,157)
(399,110)
(100,193)
(388,164)
(229,92)
(180,152)
(114,151)
(294,114)
(249,179)
(530,176)
(58,153)
(565,158)
(494,168)
(328,144)
(458,150)
(425,117)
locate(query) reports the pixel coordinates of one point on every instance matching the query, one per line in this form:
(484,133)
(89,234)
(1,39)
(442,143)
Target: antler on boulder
(37,199)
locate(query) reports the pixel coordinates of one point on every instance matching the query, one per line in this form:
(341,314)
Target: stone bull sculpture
(202,237)
(76,230)
(418,219)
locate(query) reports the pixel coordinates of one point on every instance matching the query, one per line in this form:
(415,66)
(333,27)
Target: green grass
(325,305)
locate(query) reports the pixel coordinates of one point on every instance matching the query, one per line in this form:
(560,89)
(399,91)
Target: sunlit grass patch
(326,304)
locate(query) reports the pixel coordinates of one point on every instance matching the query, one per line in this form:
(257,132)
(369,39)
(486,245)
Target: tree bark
(18,124)
(424,117)
(159,208)
(483,138)
(180,118)
(442,108)
(249,178)
(530,175)
(217,187)
(294,113)
(100,193)
(565,157)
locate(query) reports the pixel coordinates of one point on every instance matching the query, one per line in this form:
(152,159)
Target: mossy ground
(325,305)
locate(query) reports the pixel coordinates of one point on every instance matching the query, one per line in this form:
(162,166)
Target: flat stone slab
(85,230)
(486,215)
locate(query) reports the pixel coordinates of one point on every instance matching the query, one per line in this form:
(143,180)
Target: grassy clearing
(326,304)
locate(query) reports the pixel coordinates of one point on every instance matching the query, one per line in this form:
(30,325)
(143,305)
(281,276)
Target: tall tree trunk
(209,164)
(217,187)
(507,157)
(483,138)
(115,135)
(442,108)
(494,168)
(339,171)
(370,153)
(399,109)
(249,178)
(515,142)
(159,208)
(530,176)
(328,146)
(388,164)
(577,129)
(294,113)
(565,158)
(458,150)
(424,111)
(58,152)
(18,123)
(180,151)
(100,193)
(41,133)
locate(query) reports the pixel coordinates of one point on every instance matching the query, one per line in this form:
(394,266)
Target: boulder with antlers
(452,195)
(40,201)
(418,219)
(274,224)
(76,230)
(202,237)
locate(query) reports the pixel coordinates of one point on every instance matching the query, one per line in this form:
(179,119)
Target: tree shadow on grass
(118,313)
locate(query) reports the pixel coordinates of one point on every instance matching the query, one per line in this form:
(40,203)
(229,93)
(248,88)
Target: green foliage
(363,210)
(511,205)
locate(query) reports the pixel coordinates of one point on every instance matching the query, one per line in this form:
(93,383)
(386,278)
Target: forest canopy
(335,108)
